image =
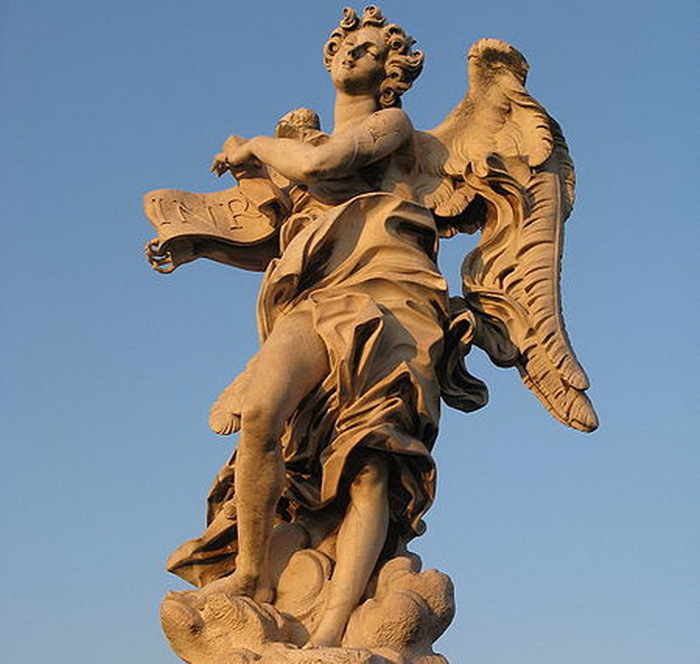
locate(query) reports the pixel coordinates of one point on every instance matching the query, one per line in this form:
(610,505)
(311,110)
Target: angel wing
(500,163)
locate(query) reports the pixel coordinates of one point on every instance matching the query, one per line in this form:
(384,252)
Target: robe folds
(366,273)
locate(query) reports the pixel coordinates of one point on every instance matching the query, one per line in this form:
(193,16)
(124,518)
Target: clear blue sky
(565,548)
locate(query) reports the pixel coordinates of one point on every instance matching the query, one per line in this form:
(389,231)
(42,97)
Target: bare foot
(223,421)
(241,584)
(225,414)
(234,585)
(326,635)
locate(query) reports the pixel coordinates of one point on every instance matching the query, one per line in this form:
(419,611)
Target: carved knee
(372,478)
(261,426)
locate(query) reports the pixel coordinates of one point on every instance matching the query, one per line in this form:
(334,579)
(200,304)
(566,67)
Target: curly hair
(402,65)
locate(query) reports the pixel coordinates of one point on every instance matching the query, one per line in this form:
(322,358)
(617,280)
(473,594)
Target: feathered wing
(500,163)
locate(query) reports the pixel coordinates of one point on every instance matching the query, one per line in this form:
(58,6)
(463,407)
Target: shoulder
(389,120)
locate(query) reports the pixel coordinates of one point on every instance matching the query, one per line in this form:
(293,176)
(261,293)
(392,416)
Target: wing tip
(582,416)
(579,414)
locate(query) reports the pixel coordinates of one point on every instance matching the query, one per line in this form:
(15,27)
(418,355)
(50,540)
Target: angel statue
(308,523)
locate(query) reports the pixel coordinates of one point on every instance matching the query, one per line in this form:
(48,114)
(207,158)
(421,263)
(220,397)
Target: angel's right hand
(232,143)
(220,164)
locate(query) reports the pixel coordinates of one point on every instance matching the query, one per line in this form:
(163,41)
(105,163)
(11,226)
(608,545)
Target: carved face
(358,66)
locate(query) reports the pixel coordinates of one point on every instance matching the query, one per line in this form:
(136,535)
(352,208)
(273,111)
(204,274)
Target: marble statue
(305,558)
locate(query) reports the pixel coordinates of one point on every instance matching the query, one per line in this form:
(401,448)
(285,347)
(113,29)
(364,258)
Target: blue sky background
(564,548)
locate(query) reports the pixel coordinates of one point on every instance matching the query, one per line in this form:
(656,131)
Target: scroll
(237,226)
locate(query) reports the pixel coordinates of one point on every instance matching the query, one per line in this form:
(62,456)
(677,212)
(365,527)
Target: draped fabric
(366,273)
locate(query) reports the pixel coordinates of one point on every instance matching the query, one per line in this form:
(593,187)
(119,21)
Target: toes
(223,422)
(220,422)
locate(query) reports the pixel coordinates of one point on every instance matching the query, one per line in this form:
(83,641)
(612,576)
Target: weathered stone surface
(406,612)
(308,523)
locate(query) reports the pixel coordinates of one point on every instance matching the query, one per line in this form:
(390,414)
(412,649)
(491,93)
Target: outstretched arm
(377,136)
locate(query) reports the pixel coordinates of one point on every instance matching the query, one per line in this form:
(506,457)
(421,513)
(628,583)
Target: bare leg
(360,540)
(290,364)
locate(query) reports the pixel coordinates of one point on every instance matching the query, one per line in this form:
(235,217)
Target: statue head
(401,64)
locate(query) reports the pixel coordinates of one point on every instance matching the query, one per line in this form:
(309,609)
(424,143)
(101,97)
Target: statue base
(405,611)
